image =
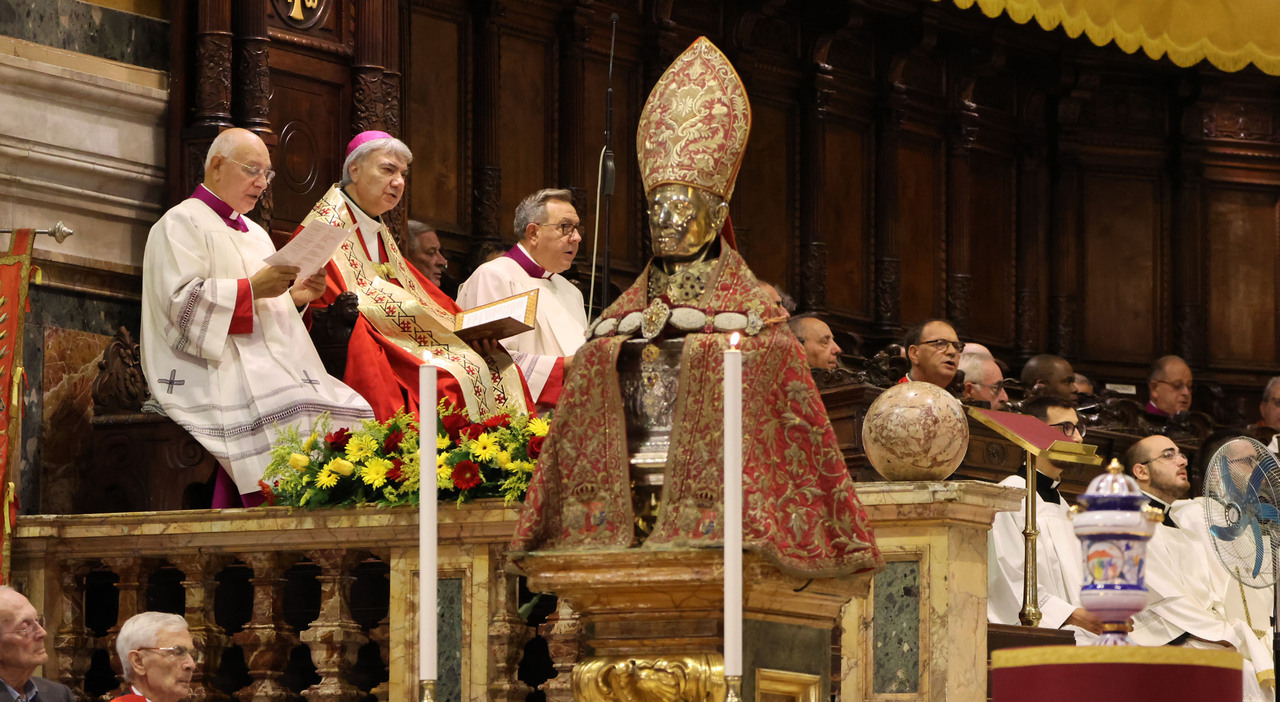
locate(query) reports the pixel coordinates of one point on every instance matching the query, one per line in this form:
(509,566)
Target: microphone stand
(606,175)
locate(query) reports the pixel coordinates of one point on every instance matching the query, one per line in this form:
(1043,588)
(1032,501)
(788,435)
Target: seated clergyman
(934,351)
(801,509)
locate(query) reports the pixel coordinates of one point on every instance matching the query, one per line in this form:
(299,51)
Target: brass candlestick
(733,688)
(427,691)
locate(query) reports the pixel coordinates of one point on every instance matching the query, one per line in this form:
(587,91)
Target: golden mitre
(694,126)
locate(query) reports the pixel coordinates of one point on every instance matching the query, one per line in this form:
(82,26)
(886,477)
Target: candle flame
(733,340)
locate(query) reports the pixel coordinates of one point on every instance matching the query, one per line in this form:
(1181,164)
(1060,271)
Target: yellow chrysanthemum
(374,472)
(440,457)
(523,466)
(311,442)
(360,447)
(444,477)
(299,461)
(484,447)
(539,426)
(503,459)
(340,467)
(442,443)
(326,479)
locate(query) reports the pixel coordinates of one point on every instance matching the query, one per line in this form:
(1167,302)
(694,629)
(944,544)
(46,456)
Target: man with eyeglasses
(224,349)
(1047,374)
(548,233)
(157,657)
(1170,385)
(22,650)
(1059,563)
(1195,603)
(983,380)
(403,317)
(934,351)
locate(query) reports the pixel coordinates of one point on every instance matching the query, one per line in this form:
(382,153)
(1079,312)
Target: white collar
(368,226)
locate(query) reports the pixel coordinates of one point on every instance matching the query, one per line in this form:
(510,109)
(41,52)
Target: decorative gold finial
(1114,467)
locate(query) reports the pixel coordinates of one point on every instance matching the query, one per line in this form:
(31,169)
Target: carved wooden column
(200,571)
(576,163)
(366,74)
(888,265)
(71,638)
(508,633)
(334,637)
(1032,237)
(487,201)
(266,640)
(1064,310)
(211,111)
(963,134)
(1190,305)
(391,77)
(564,634)
(811,291)
(252,90)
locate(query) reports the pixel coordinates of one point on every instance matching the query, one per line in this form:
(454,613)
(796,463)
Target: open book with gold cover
(498,320)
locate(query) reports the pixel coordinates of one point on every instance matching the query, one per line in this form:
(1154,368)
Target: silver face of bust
(683,220)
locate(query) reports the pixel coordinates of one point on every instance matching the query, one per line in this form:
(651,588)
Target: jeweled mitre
(694,127)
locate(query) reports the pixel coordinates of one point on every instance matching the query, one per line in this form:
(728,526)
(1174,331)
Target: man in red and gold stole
(402,314)
(801,509)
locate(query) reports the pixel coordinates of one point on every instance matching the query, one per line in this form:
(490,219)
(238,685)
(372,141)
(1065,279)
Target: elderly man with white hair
(157,657)
(22,650)
(404,317)
(983,379)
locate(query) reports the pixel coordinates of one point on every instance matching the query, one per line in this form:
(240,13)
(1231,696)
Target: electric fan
(1242,490)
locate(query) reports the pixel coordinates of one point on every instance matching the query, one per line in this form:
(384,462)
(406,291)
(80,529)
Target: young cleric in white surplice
(223,347)
(1059,564)
(1194,602)
(548,228)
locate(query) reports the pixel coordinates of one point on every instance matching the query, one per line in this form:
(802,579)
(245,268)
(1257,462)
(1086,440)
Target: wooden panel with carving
(761,208)
(325,25)
(844,215)
(435,118)
(310,109)
(1120,223)
(919,232)
(992,260)
(526,121)
(1242,234)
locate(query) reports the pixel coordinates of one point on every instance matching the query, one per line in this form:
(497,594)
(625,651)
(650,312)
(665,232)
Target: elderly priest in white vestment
(548,233)
(224,348)
(1194,602)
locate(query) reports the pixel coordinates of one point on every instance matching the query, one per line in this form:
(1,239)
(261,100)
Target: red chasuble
(801,509)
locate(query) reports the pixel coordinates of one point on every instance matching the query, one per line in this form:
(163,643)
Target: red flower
(455,423)
(498,421)
(391,444)
(267,492)
(337,440)
(535,446)
(466,475)
(473,432)
(396,472)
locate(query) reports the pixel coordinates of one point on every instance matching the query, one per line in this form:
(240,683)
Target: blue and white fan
(1242,492)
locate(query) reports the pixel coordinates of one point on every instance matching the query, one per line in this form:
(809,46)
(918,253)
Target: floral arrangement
(379,462)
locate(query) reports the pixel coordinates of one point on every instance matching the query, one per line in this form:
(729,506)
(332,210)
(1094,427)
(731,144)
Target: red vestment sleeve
(242,317)
(550,394)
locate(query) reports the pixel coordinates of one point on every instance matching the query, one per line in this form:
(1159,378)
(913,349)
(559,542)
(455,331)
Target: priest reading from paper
(224,349)
(548,232)
(403,315)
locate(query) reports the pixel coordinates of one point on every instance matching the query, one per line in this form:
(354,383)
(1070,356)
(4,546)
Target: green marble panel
(89,29)
(895,628)
(449,640)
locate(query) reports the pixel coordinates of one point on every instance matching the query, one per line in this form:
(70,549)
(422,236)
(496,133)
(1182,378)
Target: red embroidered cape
(801,510)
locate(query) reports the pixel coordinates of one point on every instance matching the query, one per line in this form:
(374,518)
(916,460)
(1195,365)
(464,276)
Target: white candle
(733,509)
(427,536)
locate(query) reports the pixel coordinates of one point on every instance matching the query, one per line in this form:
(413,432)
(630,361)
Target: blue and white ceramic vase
(1114,522)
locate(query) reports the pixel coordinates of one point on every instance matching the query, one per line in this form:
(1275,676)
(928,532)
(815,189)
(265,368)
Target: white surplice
(232,392)
(1059,564)
(1190,591)
(561,316)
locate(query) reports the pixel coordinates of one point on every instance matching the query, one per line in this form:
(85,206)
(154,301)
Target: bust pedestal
(654,630)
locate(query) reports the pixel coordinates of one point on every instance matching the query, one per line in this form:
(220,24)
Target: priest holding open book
(404,317)
(548,233)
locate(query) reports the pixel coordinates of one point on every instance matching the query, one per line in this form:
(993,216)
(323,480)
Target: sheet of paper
(310,249)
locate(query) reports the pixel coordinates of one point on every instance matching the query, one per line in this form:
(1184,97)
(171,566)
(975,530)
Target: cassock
(402,316)
(231,370)
(1059,564)
(561,317)
(1190,595)
(802,512)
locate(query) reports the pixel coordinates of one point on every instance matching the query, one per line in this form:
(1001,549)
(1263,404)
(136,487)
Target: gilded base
(427,691)
(688,678)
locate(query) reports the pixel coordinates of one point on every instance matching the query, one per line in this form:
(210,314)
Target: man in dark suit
(22,650)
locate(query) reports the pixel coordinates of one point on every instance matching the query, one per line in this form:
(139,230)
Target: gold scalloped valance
(1231,34)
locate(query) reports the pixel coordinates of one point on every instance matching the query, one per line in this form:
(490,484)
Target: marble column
(922,633)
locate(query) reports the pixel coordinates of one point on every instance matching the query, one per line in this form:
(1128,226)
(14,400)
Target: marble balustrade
(357,568)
